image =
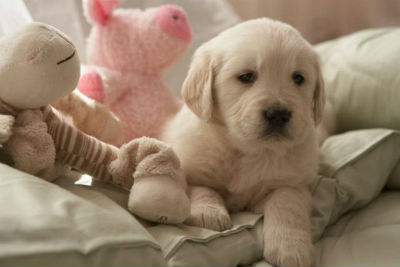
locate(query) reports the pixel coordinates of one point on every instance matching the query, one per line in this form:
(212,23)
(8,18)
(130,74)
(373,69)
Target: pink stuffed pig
(130,50)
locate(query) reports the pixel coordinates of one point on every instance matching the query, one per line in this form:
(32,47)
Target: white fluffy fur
(218,135)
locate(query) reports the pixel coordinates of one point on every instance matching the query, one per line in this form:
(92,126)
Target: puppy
(246,136)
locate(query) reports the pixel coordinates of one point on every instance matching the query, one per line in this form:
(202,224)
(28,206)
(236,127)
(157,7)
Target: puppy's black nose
(277,116)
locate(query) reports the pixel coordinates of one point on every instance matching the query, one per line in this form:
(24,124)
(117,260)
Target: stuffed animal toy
(129,51)
(39,65)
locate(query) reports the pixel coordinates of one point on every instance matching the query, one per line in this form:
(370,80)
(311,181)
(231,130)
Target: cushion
(365,237)
(361,76)
(193,246)
(355,167)
(184,245)
(42,224)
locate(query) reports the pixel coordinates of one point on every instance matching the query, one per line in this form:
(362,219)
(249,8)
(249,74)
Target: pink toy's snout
(172,20)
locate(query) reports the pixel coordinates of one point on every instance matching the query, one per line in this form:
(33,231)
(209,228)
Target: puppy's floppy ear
(319,98)
(197,90)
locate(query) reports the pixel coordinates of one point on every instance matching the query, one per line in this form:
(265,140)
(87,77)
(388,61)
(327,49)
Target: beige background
(320,20)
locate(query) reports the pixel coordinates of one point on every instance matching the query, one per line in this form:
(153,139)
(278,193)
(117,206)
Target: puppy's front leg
(207,209)
(287,227)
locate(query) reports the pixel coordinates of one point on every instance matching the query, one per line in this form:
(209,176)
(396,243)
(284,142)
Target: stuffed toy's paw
(6,124)
(159,199)
(158,190)
(31,147)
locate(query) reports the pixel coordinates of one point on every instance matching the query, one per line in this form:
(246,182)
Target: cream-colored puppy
(247,134)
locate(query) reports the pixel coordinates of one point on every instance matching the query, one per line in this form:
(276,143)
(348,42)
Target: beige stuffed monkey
(39,65)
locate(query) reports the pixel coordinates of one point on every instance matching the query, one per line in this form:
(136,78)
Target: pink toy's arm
(91,85)
(95,84)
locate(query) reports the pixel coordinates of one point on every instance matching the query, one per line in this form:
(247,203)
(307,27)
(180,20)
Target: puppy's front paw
(288,247)
(210,217)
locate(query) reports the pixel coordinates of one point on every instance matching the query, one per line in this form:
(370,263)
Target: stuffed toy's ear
(99,11)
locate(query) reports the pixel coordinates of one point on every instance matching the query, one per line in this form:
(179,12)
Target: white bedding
(354,225)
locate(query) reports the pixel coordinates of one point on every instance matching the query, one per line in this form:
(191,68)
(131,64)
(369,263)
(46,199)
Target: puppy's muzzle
(277,117)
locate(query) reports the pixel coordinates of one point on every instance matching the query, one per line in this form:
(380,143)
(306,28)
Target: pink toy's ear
(98,11)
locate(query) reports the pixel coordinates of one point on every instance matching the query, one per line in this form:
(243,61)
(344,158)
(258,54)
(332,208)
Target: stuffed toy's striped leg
(83,152)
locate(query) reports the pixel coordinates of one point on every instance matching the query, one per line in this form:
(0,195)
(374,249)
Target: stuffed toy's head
(38,65)
(132,40)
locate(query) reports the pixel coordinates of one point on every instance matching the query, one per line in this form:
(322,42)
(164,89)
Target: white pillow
(361,74)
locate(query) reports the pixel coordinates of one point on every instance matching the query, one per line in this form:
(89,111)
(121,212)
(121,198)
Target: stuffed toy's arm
(89,116)
(6,124)
(30,146)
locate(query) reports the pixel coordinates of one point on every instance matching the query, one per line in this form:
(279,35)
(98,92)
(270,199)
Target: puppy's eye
(297,78)
(247,77)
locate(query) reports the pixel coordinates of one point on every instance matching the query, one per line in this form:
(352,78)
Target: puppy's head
(261,80)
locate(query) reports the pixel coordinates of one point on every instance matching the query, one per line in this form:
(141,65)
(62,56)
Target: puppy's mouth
(276,134)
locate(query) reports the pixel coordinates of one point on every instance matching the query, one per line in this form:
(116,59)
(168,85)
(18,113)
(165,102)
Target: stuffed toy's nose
(172,19)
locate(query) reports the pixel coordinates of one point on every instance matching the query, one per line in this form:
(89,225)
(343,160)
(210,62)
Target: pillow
(366,237)
(193,246)
(184,245)
(41,224)
(361,73)
(353,173)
